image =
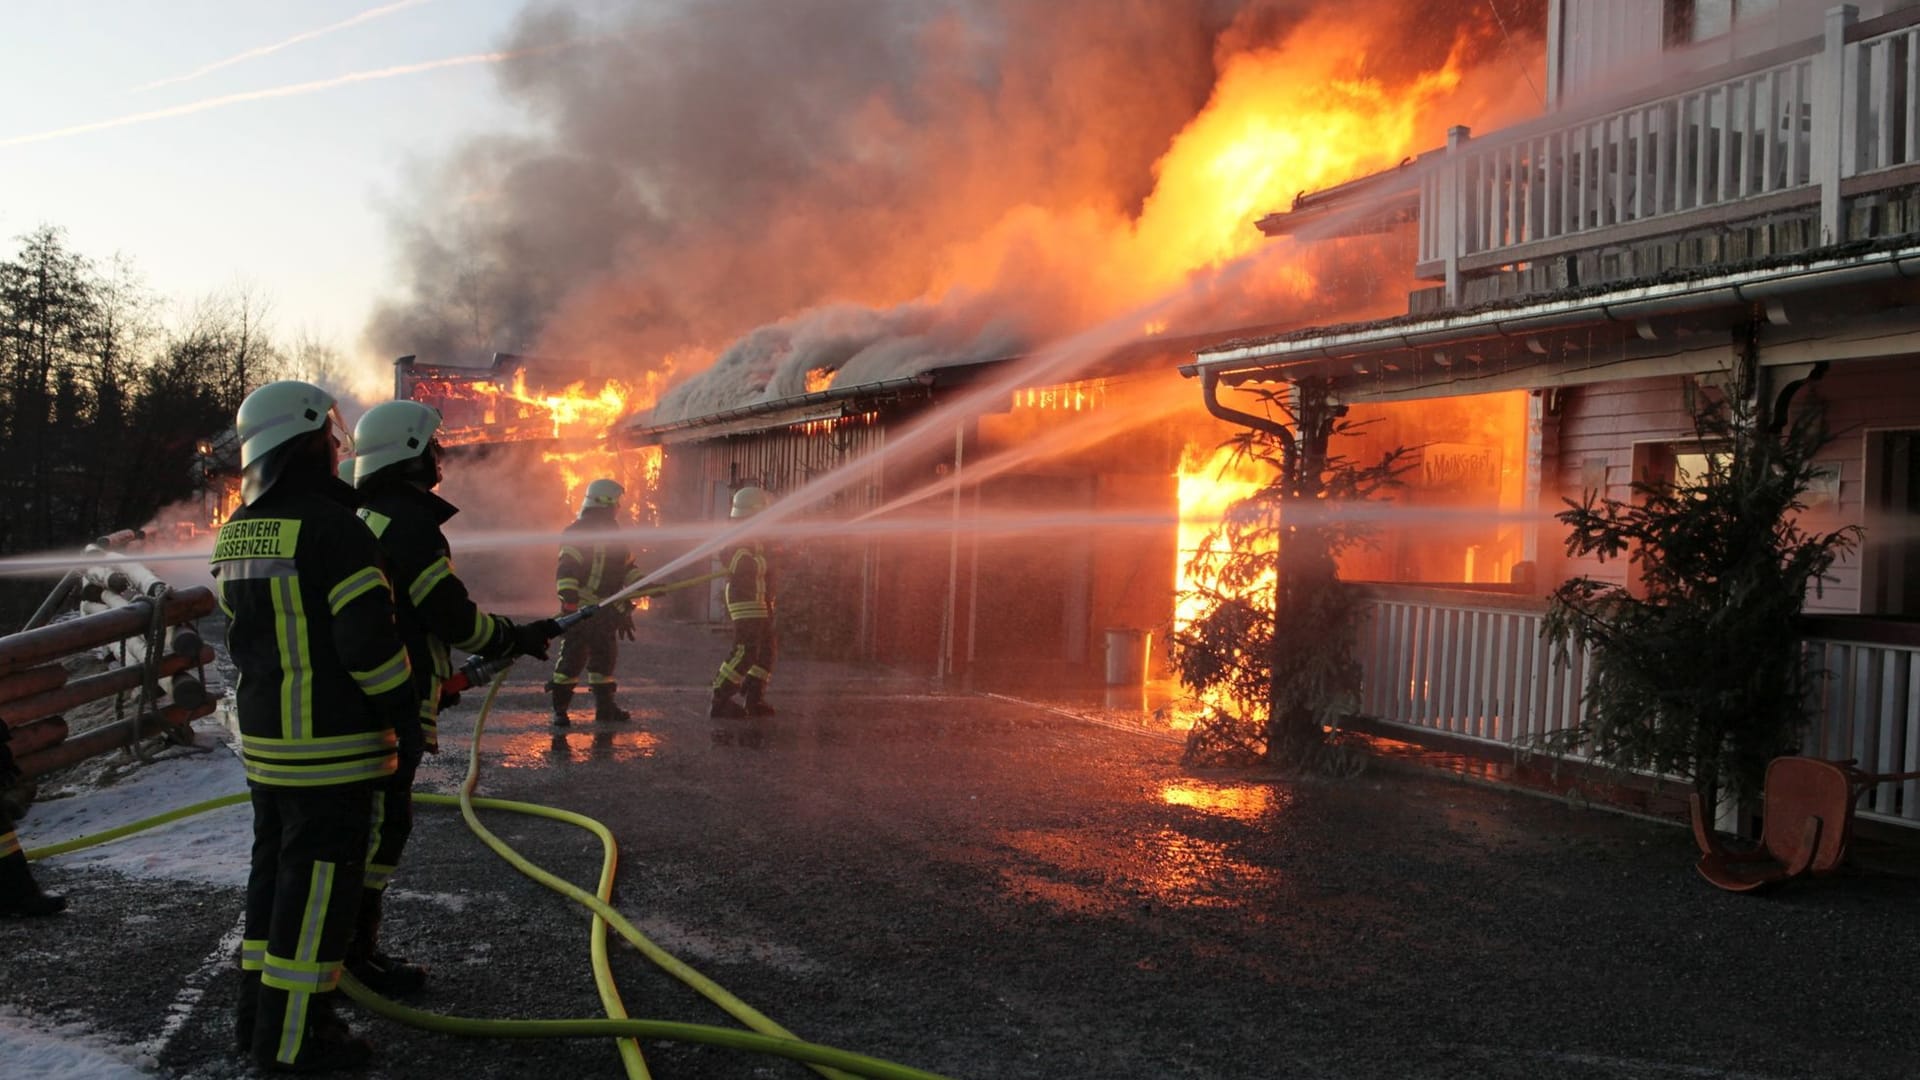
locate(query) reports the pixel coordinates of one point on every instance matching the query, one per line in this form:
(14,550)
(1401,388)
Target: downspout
(1290,472)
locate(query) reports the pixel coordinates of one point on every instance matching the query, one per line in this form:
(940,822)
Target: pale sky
(281,191)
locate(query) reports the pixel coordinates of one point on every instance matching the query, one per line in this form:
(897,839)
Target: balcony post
(1452,212)
(1828,123)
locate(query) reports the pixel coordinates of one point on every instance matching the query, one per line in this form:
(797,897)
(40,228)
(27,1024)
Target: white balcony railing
(1804,125)
(1474,666)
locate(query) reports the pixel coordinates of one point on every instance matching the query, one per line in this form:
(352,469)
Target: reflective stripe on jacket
(591,570)
(324,678)
(749,591)
(432,607)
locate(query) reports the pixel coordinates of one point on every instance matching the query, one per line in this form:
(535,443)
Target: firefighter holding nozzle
(324,699)
(750,607)
(593,567)
(395,469)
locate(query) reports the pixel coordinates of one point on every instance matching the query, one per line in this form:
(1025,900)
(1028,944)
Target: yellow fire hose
(766,1036)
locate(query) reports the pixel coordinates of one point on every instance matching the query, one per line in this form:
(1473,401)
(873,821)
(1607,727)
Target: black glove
(413,739)
(531,639)
(625,629)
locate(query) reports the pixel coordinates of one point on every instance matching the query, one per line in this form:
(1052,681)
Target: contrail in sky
(262,50)
(258,95)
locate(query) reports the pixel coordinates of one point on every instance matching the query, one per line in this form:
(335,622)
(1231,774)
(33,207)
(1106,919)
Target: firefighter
(396,468)
(19,893)
(590,570)
(325,699)
(750,607)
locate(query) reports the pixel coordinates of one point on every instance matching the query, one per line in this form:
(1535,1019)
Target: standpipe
(765,1036)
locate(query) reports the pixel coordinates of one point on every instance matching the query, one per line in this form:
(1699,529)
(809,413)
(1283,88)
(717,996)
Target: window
(1690,21)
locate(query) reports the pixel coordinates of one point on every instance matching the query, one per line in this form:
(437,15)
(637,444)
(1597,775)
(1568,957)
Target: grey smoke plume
(763,188)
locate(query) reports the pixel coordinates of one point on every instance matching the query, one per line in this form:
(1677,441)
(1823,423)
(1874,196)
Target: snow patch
(36,1049)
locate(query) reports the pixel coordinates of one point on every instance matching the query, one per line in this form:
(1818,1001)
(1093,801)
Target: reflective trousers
(592,647)
(392,821)
(750,664)
(303,891)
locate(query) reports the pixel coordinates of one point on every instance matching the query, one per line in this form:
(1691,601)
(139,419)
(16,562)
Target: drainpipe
(953,560)
(1290,478)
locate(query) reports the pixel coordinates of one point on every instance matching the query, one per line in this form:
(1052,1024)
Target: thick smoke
(765,188)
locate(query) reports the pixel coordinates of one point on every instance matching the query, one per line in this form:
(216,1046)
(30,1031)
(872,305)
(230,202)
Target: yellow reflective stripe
(326,746)
(482,630)
(437,571)
(569,551)
(303,974)
(378,875)
(379,820)
(344,772)
(356,584)
(377,522)
(9,844)
(253,954)
(595,579)
(296,667)
(748,609)
(386,677)
(730,670)
(758,672)
(567,583)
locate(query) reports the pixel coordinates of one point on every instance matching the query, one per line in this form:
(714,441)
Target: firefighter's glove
(625,626)
(449,698)
(531,639)
(568,607)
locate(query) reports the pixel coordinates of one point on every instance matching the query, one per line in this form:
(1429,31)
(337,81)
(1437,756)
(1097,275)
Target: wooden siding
(1600,424)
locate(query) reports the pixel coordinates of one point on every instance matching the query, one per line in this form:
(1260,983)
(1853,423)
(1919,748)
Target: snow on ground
(210,847)
(109,791)
(35,1049)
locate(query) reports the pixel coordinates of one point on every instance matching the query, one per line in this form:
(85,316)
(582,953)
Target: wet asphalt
(984,889)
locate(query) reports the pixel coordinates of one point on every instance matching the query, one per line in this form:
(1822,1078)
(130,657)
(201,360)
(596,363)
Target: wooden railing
(1472,664)
(1820,122)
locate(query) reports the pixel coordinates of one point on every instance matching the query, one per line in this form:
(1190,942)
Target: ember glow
(1211,481)
(479,410)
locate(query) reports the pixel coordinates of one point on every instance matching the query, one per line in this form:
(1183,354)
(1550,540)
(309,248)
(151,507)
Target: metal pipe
(37,736)
(107,737)
(94,687)
(55,600)
(1210,393)
(36,680)
(32,647)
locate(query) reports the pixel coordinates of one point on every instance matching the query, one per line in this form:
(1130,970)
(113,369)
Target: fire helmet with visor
(750,500)
(271,424)
(398,436)
(602,493)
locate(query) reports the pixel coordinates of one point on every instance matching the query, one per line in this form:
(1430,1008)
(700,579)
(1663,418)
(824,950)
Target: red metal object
(33,647)
(1807,805)
(31,681)
(94,687)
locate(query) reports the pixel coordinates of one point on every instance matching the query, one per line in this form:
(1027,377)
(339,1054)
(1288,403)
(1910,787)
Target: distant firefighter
(750,607)
(591,569)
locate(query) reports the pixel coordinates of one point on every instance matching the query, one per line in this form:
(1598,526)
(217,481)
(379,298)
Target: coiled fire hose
(766,1036)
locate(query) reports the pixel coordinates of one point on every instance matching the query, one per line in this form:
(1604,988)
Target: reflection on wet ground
(1242,802)
(548,746)
(1077,871)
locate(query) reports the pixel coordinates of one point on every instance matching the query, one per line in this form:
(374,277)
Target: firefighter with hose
(592,569)
(395,469)
(325,690)
(750,607)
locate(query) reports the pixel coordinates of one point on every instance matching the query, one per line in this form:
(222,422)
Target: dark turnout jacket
(432,605)
(324,679)
(593,569)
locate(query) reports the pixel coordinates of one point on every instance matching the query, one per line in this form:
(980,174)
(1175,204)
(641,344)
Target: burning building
(1712,187)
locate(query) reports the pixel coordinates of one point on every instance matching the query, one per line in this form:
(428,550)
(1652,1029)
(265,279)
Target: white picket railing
(1792,133)
(1473,665)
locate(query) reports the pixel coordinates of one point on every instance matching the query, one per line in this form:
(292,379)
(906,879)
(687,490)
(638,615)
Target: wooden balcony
(1810,145)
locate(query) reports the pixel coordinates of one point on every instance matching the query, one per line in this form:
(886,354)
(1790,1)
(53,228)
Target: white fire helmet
(750,500)
(602,492)
(275,416)
(392,432)
(280,412)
